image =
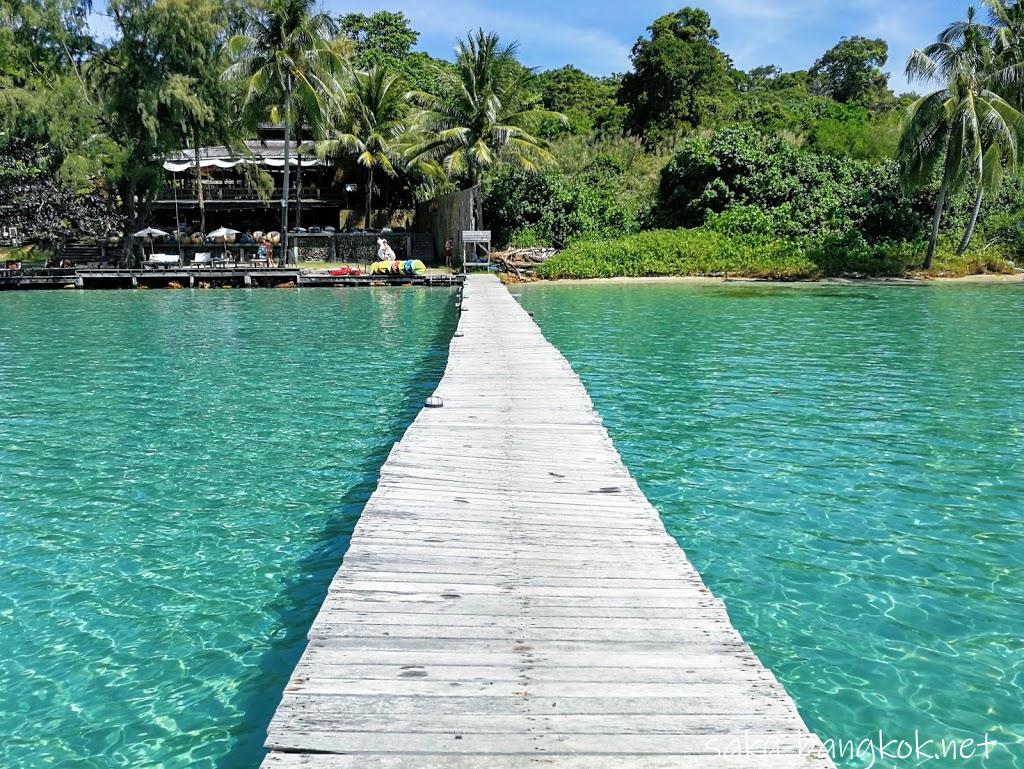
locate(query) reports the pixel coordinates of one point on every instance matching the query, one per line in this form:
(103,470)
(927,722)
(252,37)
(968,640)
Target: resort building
(242,190)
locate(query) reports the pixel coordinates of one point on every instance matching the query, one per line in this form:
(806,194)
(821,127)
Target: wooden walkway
(511,599)
(205,277)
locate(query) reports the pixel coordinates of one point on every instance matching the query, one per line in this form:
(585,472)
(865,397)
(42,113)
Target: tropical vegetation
(288,70)
(683,164)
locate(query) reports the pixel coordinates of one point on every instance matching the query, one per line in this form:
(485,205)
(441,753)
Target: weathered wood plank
(282,760)
(543,742)
(510,599)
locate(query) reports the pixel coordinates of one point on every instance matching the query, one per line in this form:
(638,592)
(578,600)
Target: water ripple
(845,466)
(179,476)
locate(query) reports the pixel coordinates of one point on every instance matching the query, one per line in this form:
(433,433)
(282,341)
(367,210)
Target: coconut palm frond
(484,114)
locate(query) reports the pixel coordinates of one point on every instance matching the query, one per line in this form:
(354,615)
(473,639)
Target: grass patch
(948,265)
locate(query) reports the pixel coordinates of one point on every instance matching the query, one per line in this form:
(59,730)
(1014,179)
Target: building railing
(215,191)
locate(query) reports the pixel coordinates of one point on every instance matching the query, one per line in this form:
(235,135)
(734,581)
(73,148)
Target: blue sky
(596,35)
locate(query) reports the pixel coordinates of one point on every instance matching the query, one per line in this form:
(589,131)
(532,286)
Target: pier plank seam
(528,609)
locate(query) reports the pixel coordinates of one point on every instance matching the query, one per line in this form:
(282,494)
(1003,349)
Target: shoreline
(914,280)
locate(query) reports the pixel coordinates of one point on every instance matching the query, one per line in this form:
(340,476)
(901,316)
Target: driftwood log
(522,261)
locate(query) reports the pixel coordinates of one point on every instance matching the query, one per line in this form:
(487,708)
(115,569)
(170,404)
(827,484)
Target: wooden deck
(205,277)
(511,599)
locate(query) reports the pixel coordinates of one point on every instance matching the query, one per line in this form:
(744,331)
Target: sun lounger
(162,260)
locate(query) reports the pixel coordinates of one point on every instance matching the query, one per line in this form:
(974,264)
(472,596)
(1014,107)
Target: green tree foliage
(852,71)
(796,193)
(284,60)
(149,92)
(484,112)
(39,39)
(816,122)
(589,103)
(193,36)
(600,188)
(44,98)
(374,122)
(288,67)
(1007,19)
(382,39)
(679,77)
(386,39)
(962,132)
(43,205)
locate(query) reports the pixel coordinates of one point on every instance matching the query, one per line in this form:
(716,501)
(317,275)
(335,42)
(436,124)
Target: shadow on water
(298,604)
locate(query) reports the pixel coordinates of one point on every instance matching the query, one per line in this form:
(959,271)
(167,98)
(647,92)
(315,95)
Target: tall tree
(1007,24)
(147,94)
(373,126)
(679,76)
(192,45)
(483,112)
(590,103)
(45,96)
(45,206)
(852,71)
(288,65)
(382,39)
(964,127)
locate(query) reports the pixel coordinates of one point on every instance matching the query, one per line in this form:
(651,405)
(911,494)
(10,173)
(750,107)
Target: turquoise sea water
(845,466)
(179,475)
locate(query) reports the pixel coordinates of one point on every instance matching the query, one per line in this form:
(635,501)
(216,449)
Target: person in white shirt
(384,251)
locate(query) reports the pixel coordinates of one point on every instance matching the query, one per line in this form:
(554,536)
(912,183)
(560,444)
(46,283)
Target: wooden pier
(510,598)
(205,277)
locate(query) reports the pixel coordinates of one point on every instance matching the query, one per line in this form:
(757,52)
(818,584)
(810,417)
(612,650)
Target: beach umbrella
(223,232)
(152,233)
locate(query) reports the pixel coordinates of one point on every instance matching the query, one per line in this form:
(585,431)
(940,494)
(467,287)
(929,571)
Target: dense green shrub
(45,207)
(550,207)
(1001,224)
(679,252)
(707,251)
(817,123)
(803,193)
(850,254)
(600,188)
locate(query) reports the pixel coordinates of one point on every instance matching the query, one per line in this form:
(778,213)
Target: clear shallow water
(845,466)
(179,476)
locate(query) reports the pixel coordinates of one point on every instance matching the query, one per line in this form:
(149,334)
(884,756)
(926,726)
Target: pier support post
(248,280)
(135,281)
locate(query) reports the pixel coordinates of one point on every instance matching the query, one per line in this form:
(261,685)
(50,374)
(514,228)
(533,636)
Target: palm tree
(288,65)
(965,126)
(485,112)
(373,126)
(1007,19)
